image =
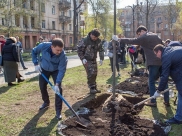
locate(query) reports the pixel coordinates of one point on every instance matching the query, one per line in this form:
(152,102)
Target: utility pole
(74,23)
(114,54)
(75,20)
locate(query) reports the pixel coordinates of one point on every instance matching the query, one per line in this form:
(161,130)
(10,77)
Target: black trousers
(43,87)
(117,65)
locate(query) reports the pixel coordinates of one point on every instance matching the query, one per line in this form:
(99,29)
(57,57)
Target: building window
(31,4)
(53,25)
(17,20)
(32,22)
(70,13)
(159,19)
(166,25)
(71,40)
(25,22)
(43,24)
(3,21)
(53,10)
(24,4)
(43,7)
(70,27)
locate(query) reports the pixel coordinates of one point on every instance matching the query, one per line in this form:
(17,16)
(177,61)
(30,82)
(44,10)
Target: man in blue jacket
(171,58)
(53,63)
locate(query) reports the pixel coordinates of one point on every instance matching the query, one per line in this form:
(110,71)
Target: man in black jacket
(171,58)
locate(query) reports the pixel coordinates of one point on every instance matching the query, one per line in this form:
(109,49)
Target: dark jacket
(148,41)
(87,49)
(110,47)
(171,66)
(9,51)
(175,43)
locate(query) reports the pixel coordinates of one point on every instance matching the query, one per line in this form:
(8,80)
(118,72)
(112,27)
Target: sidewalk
(73,61)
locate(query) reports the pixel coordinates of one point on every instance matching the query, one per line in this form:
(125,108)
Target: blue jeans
(178,114)
(21,61)
(153,75)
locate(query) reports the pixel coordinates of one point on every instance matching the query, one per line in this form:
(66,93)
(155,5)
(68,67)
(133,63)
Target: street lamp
(133,12)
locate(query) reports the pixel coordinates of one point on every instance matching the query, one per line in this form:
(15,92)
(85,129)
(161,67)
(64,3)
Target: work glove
(38,68)
(56,89)
(157,94)
(100,62)
(115,37)
(84,61)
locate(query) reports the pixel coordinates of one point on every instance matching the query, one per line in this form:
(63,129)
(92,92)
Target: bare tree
(147,9)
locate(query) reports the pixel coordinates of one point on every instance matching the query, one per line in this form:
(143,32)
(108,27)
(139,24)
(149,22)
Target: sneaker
(58,115)
(167,104)
(20,80)
(25,68)
(44,105)
(150,104)
(173,121)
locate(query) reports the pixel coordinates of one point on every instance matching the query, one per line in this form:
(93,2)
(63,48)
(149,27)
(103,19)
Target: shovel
(152,97)
(81,121)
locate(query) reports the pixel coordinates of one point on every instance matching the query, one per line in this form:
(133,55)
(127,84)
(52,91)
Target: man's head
(167,42)
(17,38)
(53,36)
(94,34)
(120,36)
(41,39)
(57,46)
(2,38)
(141,30)
(158,50)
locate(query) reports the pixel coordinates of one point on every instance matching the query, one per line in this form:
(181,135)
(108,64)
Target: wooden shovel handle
(152,97)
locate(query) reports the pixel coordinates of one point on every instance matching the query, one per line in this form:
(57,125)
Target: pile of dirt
(135,84)
(122,122)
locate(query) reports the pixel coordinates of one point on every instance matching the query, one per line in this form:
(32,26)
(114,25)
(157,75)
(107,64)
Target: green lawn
(19,115)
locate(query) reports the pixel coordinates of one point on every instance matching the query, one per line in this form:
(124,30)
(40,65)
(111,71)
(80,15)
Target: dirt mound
(122,121)
(134,84)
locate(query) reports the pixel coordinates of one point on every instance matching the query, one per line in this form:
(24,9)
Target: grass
(19,115)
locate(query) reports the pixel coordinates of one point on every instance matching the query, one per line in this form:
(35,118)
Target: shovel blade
(83,122)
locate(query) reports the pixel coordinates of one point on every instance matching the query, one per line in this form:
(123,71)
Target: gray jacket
(148,41)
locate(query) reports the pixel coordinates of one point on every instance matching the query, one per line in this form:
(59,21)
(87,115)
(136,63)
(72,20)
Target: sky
(124,3)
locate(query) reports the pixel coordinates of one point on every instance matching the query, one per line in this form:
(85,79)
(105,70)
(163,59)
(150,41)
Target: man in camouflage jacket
(87,51)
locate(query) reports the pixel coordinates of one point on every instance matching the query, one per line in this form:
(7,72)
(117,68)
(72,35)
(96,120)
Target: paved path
(73,61)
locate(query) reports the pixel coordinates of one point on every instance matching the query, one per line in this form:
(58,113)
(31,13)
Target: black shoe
(58,115)
(44,105)
(25,68)
(20,80)
(11,84)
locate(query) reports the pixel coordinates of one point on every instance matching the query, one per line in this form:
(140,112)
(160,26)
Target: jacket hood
(9,41)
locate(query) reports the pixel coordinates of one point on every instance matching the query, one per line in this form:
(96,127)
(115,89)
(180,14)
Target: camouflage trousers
(91,69)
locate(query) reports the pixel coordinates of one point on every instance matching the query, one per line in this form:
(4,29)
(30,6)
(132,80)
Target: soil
(138,85)
(122,122)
